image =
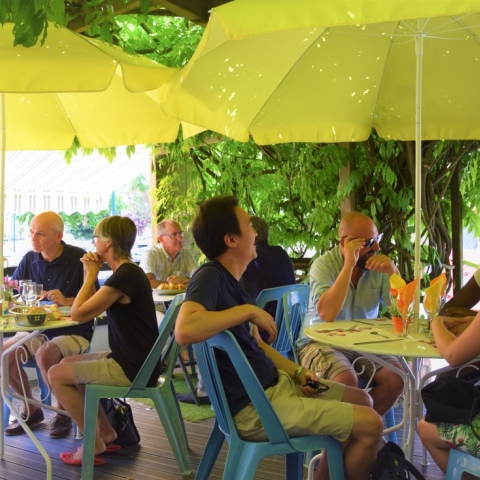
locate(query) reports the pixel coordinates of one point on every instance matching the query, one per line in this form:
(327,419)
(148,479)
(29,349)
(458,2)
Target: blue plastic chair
(459,462)
(45,394)
(163,396)
(295,305)
(243,456)
(281,344)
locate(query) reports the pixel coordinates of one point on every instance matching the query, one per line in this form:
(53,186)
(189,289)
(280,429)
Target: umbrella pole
(418,270)
(3,144)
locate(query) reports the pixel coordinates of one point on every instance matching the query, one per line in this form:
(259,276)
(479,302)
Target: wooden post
(457,229)
(348,204)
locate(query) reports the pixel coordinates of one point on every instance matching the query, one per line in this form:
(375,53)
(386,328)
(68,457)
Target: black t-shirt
(65,273)
(216,289)
(132,327)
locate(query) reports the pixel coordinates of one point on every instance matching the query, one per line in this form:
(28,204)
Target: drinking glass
(39,290)
(20,284)
(433,311)
(29,293)
(405,314)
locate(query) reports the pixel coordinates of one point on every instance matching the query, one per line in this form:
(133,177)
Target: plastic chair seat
(243,456)
(459,462)
(163,396)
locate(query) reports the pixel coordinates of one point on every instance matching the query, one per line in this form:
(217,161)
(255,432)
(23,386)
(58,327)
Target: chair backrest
(164,332)
(295,304)
(207,365)
(459,462)
(276,295)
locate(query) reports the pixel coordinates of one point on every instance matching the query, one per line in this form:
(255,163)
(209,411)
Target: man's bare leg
(388,387)
(360,449)
(47,356)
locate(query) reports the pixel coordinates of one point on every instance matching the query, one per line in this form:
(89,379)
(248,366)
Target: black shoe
(16,429)
(60,426)
(188,398)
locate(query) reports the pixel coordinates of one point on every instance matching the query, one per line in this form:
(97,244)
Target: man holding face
(349,282)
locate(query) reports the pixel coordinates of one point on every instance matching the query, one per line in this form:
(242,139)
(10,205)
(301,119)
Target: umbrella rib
(468,29)
(66,114)
(287,73)
(385,64)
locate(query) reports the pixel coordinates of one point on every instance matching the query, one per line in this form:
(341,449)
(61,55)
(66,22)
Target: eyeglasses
(371,241)
(174,234)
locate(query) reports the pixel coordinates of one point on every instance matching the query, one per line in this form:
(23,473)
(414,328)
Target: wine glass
(29,293)
(39,291)
(432,311)
(405,313)
(20,284)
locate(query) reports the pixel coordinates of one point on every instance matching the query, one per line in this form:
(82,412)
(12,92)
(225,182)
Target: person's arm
(195,323)
(462,302)
(331,301)
(153,281)
(289,367)
(56,296)
(85,307)
(381,263)
(461,349)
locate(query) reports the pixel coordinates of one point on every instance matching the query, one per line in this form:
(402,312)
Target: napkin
(396,282)
(434,292)
(406,295)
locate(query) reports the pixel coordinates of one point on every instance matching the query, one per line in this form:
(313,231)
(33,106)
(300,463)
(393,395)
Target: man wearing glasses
(168,261)
(349,282)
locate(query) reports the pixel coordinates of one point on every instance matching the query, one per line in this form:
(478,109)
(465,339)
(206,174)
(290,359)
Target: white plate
(161,291)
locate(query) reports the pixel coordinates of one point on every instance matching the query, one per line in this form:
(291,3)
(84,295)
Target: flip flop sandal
(69,459)
(112,448)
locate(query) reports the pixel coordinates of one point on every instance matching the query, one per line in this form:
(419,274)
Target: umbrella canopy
(331,70)
(72,85)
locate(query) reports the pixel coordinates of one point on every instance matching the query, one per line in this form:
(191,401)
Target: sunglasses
(371,241)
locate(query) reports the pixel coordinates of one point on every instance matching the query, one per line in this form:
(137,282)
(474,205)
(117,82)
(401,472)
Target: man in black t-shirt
(217,300)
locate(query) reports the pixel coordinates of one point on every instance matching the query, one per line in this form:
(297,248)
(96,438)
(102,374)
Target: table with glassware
(9,325)
(372,337)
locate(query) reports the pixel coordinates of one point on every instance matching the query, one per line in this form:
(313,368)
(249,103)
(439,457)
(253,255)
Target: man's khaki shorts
(68,344)
(299,414)
(329,362)
(95,367)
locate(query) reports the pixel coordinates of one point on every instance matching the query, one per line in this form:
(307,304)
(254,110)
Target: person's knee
(47,356)
(347,377)
(368,425)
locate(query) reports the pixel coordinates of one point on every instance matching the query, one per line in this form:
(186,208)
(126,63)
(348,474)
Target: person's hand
(380,263)
(303,378)
(56,296)
(177,279)
(91,263)
(265,323)
(455,311)
(351,250)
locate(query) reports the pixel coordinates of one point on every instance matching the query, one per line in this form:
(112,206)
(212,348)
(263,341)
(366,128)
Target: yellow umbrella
(331,70)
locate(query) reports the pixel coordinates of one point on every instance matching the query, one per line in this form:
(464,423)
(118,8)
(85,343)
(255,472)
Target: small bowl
(34,319)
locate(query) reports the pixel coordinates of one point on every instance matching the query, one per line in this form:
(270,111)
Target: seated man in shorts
(217,300)
(132,329)
(56,266)
(347,283)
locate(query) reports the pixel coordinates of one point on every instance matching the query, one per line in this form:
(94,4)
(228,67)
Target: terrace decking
(151,460)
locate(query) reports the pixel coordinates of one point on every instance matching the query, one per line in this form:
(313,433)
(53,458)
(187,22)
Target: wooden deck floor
(151,460)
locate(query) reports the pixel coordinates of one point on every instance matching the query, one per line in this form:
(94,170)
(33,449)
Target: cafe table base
(12,327)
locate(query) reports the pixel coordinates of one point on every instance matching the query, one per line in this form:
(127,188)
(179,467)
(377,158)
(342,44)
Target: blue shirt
(364,301)
(65,273)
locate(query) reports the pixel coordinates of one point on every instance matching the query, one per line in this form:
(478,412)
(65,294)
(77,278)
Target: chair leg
(210,454)
(172,424)
(390,422)
(89,434)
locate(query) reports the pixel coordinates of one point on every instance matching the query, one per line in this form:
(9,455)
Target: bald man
(56,266)
(348,283)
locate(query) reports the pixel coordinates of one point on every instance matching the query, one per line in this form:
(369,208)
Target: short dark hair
(214,219)
(261,227)
(121,231)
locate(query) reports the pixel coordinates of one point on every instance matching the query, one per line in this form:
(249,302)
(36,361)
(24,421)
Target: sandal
(69,459)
